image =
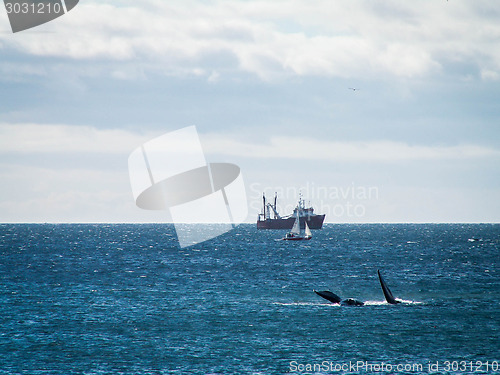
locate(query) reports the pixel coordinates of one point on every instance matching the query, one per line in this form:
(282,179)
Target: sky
(268,85)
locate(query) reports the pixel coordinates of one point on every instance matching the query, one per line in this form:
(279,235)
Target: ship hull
(313,222)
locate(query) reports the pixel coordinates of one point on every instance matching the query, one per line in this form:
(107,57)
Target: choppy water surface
(126,299)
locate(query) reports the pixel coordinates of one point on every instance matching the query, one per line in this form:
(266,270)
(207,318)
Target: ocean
(126,299)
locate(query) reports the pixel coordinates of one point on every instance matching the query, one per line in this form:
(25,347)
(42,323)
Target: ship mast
(267,212)
(274,207)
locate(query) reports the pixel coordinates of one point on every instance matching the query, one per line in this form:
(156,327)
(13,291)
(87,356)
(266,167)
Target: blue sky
(267,85)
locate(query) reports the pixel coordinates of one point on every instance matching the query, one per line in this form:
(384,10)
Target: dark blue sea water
(125,299)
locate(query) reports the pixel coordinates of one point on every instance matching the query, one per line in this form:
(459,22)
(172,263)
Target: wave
(367,303)
(304,304)
(403,301)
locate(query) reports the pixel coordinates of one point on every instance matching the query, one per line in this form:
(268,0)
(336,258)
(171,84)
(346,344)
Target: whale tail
(387,292)
(326,294)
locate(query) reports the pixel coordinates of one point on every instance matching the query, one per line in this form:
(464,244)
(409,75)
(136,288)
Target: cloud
(340,39)
(316,149)
(79,173)
(48,194)
(66,139)
(70,139)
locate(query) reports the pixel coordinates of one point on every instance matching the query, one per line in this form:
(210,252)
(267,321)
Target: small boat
(297,234)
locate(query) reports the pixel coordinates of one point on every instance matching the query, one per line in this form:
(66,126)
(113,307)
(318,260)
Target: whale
(387,292)
(332,297)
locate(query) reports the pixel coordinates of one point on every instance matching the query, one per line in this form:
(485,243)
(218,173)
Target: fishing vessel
(297,233)
(271,219)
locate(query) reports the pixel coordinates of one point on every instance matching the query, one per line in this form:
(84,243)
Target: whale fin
(326,294)
(387,292)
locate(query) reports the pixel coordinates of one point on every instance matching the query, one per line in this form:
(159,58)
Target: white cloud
(489,75)
(98,188)
(47,138)
(70,139)
(344,39)
(317,149)
(50,194)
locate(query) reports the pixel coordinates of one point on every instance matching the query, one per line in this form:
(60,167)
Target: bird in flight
(353,89)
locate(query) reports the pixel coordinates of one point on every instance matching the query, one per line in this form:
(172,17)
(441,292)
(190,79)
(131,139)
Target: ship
(271,219)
